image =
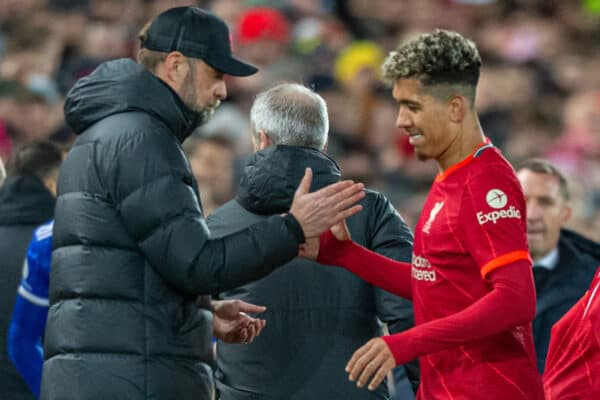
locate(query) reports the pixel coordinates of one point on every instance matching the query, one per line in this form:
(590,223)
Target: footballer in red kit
(470,279)
(472,223)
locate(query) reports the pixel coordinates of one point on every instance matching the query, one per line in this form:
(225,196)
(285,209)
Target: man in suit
(563,261)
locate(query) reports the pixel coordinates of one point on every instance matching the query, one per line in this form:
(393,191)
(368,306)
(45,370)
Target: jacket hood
(271,177)
(121,86)
(24,200)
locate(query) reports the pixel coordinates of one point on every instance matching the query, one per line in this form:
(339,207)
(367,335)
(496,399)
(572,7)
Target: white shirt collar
(549,261)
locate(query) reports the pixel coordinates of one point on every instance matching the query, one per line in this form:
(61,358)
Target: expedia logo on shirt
(422,269)
(497,199)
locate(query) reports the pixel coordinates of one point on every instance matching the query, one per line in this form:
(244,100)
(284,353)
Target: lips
(535,231)
(416,138)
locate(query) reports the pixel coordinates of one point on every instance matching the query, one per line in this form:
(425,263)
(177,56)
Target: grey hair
(291,114)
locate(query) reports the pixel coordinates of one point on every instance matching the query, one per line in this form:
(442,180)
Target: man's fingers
(381,373)
(342,215)
(349,201)
(304,186)
(251,333)
(334,188)
(340,196)
(250,308)
(357,354)
(362,363)
(243,335)
(371,367)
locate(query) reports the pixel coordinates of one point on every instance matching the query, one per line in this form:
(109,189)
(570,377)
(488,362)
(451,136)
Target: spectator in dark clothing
(317,316)
(131,249)
(26,200)
(564,262)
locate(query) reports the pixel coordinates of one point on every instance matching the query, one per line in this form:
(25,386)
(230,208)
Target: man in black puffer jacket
(316,316)
(131,249)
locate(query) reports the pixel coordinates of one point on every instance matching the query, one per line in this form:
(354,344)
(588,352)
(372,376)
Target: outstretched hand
(319,210)
(231,324)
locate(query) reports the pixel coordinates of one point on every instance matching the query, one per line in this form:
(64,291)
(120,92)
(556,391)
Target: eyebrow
(407,102)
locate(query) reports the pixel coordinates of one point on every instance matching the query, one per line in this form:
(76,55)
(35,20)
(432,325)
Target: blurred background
(539,93)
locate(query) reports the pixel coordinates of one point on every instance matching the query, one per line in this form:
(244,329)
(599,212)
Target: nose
(221,90)
(534,211)
(403,120)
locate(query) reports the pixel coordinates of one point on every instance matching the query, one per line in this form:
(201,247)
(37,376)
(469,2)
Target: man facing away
(316,316)
(470,279)
(564,262)
(131,248)
(27,199)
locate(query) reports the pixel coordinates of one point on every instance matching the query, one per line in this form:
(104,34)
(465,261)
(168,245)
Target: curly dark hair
(440,57)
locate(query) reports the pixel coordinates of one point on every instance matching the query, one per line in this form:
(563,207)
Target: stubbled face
(203,88)
(547,211)
(424,119)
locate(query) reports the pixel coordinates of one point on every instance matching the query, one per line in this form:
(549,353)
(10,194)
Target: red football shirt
(573,362)
(473,222)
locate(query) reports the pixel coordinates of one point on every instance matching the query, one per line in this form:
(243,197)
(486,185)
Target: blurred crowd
(539,93)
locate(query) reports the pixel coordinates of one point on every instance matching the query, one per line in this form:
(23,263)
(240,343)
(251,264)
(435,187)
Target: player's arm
(378,270)
(25,341)
(29,316)
(510,302)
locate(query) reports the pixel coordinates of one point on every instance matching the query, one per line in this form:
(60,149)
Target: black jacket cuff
(294,226)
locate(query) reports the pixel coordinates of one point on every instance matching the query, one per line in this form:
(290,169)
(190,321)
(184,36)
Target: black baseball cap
(195,33)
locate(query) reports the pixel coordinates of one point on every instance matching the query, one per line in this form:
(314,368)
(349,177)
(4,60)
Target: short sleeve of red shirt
(493,219)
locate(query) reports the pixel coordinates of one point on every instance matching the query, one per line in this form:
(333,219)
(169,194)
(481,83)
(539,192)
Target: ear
(566,214)
(264,140)
(174,69)
(457,108)
(50,182)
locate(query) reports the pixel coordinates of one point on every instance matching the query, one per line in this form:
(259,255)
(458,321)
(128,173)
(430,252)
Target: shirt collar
(549,261)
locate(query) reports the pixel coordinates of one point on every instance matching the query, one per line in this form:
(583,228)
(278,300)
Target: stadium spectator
(563,261)
(212,159)
(131,249)
(470,279)
(26,201)
(316,315)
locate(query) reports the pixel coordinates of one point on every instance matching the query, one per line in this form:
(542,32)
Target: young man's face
(424,119)
(203,88)
(547,211)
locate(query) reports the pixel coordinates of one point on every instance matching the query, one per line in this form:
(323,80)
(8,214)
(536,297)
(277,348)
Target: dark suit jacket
(578,258)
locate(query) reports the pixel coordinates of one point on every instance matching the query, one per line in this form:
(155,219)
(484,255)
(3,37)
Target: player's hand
(231,324)
(340,231)
(319,210)
(310,249)
(371,362)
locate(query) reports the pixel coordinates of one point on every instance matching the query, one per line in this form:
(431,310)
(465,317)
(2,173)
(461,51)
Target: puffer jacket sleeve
(391,237)
(149,181)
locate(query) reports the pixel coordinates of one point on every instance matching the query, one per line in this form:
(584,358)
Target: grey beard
(203,114)
(207,112)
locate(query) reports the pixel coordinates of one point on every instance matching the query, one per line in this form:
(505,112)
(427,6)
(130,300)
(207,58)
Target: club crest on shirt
(434,212)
